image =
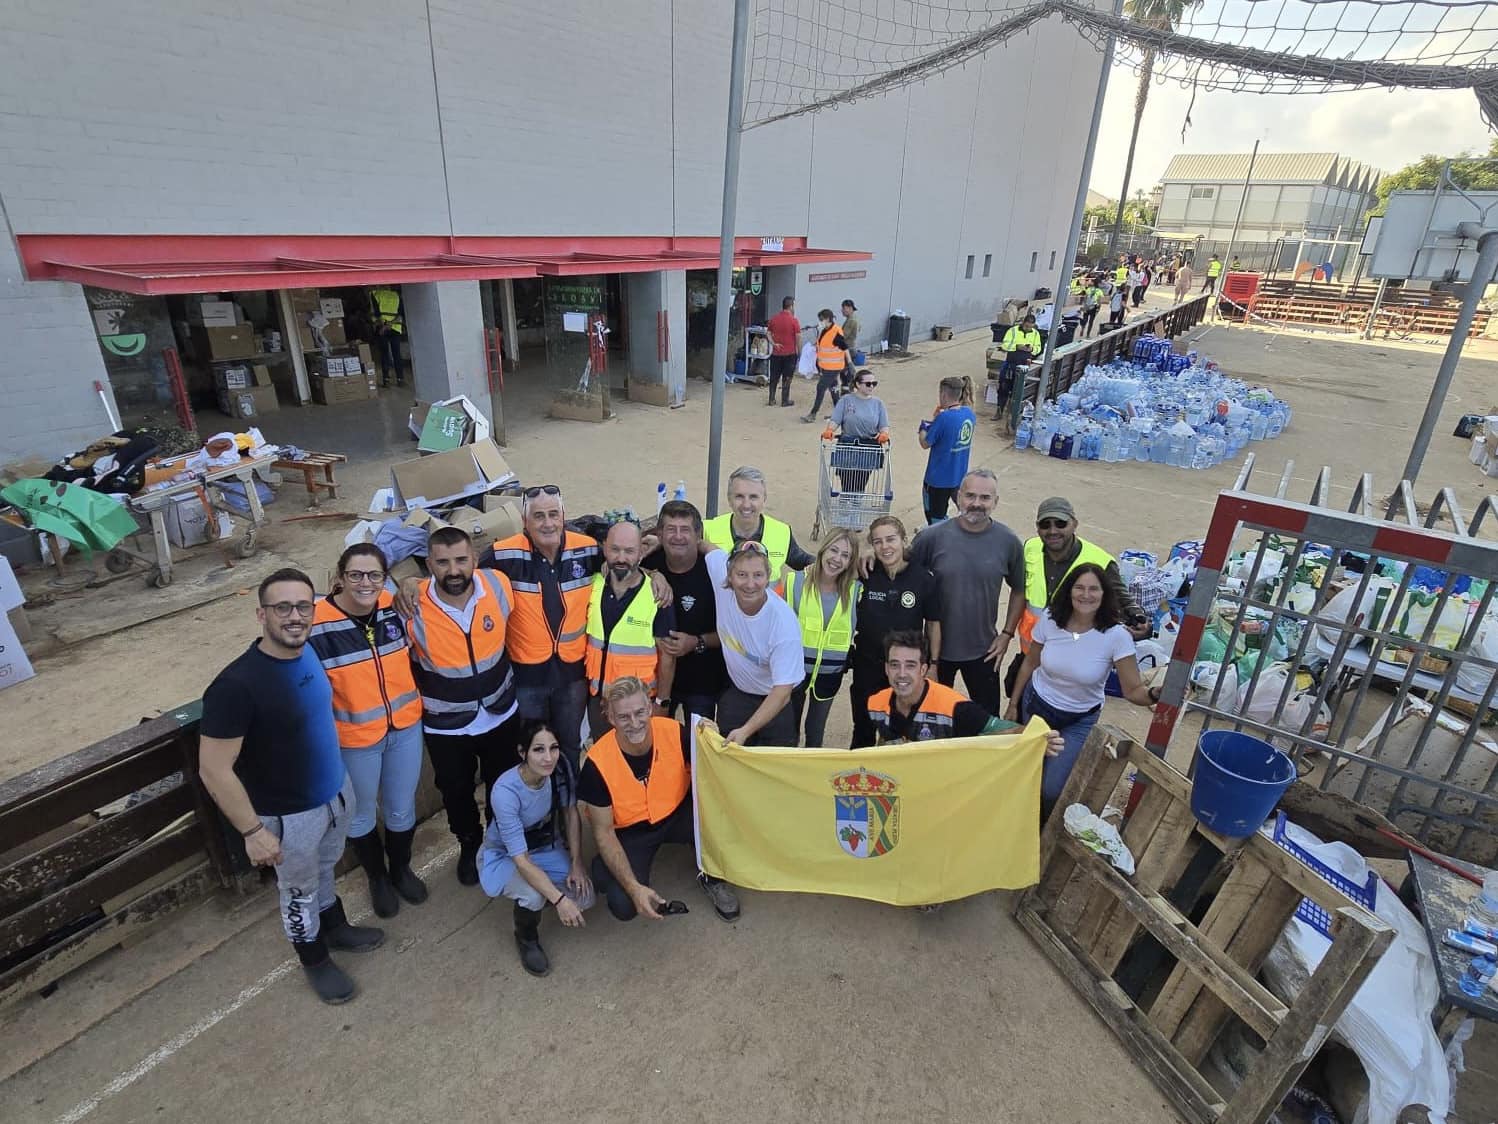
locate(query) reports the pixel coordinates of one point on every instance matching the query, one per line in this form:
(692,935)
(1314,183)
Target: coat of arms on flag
(867,812)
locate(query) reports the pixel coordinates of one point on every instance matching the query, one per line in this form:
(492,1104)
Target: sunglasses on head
(541,490)
(1051,524)
(614,517)
(748,546)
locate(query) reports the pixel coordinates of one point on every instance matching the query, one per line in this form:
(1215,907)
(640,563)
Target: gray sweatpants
(311,845)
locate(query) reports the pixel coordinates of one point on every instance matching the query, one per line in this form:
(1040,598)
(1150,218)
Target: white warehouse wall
(564,118)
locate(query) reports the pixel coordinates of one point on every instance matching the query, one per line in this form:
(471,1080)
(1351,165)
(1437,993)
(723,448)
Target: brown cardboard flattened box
(334,390)
(468,470)
(499,519)
(248,402)
(237,342)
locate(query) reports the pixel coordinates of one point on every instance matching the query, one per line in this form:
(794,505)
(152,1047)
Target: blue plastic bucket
(1239,779)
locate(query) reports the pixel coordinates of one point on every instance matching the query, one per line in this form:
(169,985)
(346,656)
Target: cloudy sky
(1387,129)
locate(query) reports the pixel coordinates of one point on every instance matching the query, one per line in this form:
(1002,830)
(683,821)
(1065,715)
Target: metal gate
(1393,717)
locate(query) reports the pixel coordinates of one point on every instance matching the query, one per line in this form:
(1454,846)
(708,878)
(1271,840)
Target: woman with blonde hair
(895,597)
(824,598)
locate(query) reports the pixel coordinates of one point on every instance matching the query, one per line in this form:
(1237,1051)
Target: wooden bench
(309,466)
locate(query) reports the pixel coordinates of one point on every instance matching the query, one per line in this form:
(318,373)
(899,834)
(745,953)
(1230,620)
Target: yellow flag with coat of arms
(907,824)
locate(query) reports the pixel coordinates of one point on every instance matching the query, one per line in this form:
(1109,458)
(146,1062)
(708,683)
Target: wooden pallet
(310,465)
(1168,985)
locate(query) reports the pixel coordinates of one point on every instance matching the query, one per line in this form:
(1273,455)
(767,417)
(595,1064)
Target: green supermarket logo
(126,345)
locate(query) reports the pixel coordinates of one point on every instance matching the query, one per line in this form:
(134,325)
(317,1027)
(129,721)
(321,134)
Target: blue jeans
(562,706)
(1072,727)
(391,770)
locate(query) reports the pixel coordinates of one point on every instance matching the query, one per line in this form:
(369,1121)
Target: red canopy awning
(158,265)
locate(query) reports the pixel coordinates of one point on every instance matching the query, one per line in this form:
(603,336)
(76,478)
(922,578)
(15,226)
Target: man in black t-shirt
(268,755)
(700,673)
(896,597)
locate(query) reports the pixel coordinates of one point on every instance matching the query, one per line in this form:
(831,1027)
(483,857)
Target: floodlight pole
(1482,276)
(1074,232)
(725,251)
(1247,186)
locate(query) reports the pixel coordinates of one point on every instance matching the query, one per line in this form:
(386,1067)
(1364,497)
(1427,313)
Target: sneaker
(808,418)
(787,403)
(721,894)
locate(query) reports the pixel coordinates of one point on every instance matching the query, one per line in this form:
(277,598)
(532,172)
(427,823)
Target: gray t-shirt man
(970,566)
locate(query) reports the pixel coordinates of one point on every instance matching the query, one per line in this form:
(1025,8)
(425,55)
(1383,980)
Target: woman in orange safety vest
(362,644)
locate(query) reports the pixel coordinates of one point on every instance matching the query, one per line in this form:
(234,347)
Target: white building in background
(1319,194)
(501,164)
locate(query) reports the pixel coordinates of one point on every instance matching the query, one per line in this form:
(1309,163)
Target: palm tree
(1163,15)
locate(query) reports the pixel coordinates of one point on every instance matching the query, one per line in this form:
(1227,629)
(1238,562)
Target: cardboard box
(582,407)
(366,357)
(333,390)
(650,393)
(446,427)
(333,332)
(305,300)
(479,423)
(497,521)
(237,342)
(248,402)
(941,332)
(15,667)
(332,307)
(217,314)
(187,522)
(469,470)
(232,376)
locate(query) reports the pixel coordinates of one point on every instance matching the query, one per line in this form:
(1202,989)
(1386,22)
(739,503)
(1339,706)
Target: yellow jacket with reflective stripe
(627,650)
(824,643)
(1214,268)
(387,304)
(1035,591)
(374,690)
(1016,338)
(777,539)
(458,672)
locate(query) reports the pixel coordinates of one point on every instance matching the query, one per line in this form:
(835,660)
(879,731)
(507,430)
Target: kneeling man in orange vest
(636,790)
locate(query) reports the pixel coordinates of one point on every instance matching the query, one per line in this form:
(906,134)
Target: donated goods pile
(1157,406)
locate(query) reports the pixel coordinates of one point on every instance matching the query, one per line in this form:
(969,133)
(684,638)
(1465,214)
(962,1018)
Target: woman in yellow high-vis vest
(825,599)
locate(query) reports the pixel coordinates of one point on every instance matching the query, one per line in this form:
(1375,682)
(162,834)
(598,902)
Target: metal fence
(1378,682)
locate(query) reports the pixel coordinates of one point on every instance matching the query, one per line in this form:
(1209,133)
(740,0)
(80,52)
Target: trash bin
(898,333)
(1068,330)
(1041,294)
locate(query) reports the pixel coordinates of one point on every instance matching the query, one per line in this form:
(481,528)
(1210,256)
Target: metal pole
(1482,276)
(1247,182)
(1378,300)
(725,250)
(1078,209)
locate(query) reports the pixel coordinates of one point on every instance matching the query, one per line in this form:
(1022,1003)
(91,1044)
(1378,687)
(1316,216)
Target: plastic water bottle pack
(1158,406)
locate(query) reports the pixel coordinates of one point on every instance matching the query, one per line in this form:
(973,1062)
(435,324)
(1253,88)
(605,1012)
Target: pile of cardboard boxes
(346,373)
(223,339)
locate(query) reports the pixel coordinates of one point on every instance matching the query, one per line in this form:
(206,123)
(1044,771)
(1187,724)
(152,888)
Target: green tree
(1468,170)
(1163,15)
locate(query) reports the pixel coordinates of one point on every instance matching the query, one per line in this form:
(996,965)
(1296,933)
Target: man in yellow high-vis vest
(746,520)
(625,626)
(1214,271)
(390,330)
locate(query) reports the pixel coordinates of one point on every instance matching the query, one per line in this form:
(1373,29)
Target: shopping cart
(857,484)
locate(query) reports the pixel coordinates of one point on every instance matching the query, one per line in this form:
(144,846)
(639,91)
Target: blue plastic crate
(1308,911)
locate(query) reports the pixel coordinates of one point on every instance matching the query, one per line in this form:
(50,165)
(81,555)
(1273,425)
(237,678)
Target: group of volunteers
(501,659)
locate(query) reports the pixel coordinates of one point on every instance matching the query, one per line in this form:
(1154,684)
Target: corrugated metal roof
(1271,167)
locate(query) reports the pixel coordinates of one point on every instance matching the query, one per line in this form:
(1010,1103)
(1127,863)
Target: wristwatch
(701,645)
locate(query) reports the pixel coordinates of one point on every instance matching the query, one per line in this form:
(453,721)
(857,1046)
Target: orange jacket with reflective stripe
(664,789)
(459,672)
(932,717)
(532,640)
(830,357)
(374,690)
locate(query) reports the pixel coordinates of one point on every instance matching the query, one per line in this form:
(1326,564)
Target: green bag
(90,520)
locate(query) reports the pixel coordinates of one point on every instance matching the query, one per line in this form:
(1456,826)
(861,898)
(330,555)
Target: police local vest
(630,648)
(830,357)
(388,308)
(1017,337)
(1214,268)
(374,690)
(824,643)
(531,640)
(458,672)
(931,720)
(1035,591)
(776,539)
(661,793)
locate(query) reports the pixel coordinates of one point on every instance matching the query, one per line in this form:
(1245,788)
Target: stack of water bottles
(1156,406)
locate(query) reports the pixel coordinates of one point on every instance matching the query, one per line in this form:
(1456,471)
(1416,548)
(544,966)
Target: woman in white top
(1076,643)
(761,642)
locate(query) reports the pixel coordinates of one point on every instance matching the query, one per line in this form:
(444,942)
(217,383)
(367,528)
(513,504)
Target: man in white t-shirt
(761,641)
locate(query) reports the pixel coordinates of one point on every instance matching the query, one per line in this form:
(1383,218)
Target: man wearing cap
(850,337)
(1053,553)
(1022,343)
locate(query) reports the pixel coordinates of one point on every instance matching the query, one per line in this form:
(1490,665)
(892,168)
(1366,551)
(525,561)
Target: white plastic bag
(1150,654)
(1346,606)
(806,366)
(1474,678)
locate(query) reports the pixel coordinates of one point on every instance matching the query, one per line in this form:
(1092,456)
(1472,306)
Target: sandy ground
(808,1007)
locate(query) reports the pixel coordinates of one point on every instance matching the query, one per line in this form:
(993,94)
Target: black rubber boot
(334,928)
(528,941)
(372,858)
(468,861)
(405,880)
(331,983)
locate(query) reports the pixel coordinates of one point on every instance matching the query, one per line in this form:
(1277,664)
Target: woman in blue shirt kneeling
(531,849)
